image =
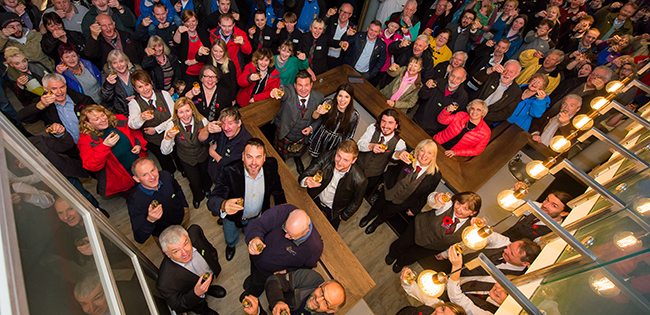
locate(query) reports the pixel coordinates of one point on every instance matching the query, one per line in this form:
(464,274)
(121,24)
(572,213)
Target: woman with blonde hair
(24,75)
(406,187)
(117,90)
(163,66)
(403,91)
(219,57)
(108,147)
(184,136)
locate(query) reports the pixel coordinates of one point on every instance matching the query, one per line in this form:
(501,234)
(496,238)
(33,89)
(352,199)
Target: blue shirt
(69,117)
(304,238)
(253,195)
(309,12)
(363,64)
(225,39)
(148,191)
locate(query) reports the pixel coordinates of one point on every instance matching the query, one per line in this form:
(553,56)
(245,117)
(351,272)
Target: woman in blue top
(80,74)
(534,101)
(513,32)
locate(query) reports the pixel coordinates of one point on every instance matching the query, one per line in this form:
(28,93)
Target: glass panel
(161,305)
(126,279)
(55,255)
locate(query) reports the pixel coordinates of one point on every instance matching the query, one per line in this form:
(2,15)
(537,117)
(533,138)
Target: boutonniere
(182,138)
(199,99)
(217,105)
(407,170)
(447,222)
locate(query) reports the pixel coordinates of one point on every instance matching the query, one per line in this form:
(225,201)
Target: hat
(8,17)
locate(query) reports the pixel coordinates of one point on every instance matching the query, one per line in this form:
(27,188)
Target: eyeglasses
(346,13)
(284,228)
(209,76)
(322,294)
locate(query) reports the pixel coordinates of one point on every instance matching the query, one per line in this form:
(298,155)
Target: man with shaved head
(283,239)
(437,97)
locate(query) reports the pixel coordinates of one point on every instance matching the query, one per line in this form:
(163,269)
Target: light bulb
(508,201)
(476,238)
(536,169)
(431,283)
(583,122)
(603,286)
(625,241)
(598,102)
(560,144)
(613,86)
(642,206)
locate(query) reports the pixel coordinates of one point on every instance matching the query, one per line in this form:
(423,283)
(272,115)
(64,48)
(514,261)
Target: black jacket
(402,56)
(350,189)
(377,59)
(228,80)
(506,105)
(50,45)
(231,184)
(294,38)
(176,284)
(98,49)
(267,38)
(479,58)
(320,47)
(49,115)
(114,96)
(54,148)
(418,198)
(434,102)
(152,66)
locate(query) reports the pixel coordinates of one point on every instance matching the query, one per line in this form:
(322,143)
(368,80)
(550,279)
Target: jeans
(231,231)
(77,184)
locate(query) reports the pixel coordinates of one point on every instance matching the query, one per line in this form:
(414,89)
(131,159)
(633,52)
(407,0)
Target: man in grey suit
(294,122)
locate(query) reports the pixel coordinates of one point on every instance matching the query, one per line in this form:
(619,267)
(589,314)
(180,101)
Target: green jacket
(31,48)
(604,20)
(409,97)
(290,69)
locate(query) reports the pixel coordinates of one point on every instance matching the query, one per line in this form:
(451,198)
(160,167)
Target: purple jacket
(282,253)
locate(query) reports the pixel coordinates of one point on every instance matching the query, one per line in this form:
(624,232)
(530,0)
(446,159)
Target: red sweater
(472,143)
(96,157)
(234,48)
(244,96)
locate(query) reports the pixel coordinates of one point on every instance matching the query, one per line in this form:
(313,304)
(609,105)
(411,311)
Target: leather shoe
(196,204)
(247,282)
(230,253)
(397,268)
(373,226)
(365,220)
(220,221)
(243,295)
(207,194)
(389,260)
(216,291)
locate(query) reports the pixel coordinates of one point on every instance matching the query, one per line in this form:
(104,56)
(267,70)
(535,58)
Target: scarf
(406,82)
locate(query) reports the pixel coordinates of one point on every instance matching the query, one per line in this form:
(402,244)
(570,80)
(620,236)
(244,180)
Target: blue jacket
(528,109)
(71,79)
(146,10)
(500,29)
(377,58)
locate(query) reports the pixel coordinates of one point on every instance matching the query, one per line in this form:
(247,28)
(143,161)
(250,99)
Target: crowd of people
(122,87)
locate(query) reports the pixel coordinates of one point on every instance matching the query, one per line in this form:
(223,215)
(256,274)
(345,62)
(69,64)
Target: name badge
(267,37)
(319,47)
(295,40)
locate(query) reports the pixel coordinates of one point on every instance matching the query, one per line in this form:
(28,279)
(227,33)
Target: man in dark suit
(367,52)
(498,90)
(102,33)
(530,227)
(189,256)
(303,291)
(294,120)
(402,52)
(62,99)
(254,179)
(484,56)
(337,27)
(464,32)
(343,183)
(437,98)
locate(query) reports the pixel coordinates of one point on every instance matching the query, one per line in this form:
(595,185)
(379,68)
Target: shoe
(209,311)
(183,174)
(104,212)
(196,204)
(389,260)
(220,221)
(365,220)
(299,167)
(216,291)
(397,268)
(230,253)
(207,194)
(373,226)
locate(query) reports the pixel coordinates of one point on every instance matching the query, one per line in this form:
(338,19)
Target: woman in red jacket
(258,78)
(108,147)
(466,134)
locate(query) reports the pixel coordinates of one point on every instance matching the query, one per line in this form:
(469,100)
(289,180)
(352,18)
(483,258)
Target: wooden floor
(386,298)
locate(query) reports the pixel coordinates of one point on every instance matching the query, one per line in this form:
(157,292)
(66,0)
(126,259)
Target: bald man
(437,97)
(106,36)
(289,242)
